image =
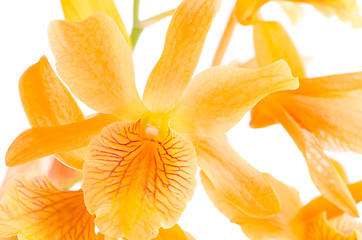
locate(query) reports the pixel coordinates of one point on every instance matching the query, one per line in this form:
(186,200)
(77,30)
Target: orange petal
(95,62)
(321,169)
(246,11)
(62,176)
(261,115)
(78,10)
(38,210)
(40,142)
(47,102)
(184,41)
(219,97)
(275,227)
(137,180)
(174,233)
(345,224)
(238,182)
(333,117)
(320,228)
(330,84)
(272,42)
(340,170)
(321,204)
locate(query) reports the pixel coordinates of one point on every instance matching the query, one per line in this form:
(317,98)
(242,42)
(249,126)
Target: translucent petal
(137,180)
(184,41)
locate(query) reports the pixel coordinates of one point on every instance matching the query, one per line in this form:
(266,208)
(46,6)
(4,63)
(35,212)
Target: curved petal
(40,142)
(275,227)
(320,228)
(294,11)
(241,184)
(246,11)
(136,180)
(218,97)
(261,114)
(78,10)
(184,41)
(330,84)
(321,204)
(174,233)
(272,42)
(95,62)
(47,102)
(321,169)
(37,210)
(333,117)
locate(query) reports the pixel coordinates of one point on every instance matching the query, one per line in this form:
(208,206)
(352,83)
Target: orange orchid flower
(140,166)
(323,113)
(319,219)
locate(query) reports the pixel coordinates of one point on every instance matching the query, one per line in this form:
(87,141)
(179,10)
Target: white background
(331,47)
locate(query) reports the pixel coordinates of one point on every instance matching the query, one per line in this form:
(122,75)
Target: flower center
(154,125)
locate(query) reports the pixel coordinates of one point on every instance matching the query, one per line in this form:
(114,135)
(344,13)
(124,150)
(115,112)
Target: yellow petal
(345,224)
(272,42)
(320,228)
(95,62)
(246,11)
(294,11)
(340,170)
(275,227)
(184,41)
(321,204)
(174,233)
(238,182)
(321,169)
(330,84)
(78,10)
(36,210)
(219,97)
(345,10)
(325,114)
(47,102)
(40,142)
(137,180)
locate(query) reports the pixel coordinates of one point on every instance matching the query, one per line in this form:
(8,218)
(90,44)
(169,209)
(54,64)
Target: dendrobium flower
(345,10)
(323,113)
(140,166)
(319,219)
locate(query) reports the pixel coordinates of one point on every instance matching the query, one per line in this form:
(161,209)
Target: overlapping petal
(137,180)
(36,210)
(238,182)
(218,97)
(47,102)
(275,227)
(93,53)
(184,41)
(321,169)
(79,10)
(272,42)
(40,142)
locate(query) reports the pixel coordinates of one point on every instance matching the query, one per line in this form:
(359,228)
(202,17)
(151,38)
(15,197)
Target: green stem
(136,32)
(148,22)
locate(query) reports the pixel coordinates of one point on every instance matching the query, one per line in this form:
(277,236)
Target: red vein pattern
(136,183)
(37,210)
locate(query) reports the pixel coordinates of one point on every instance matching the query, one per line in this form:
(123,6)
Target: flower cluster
(137,159)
